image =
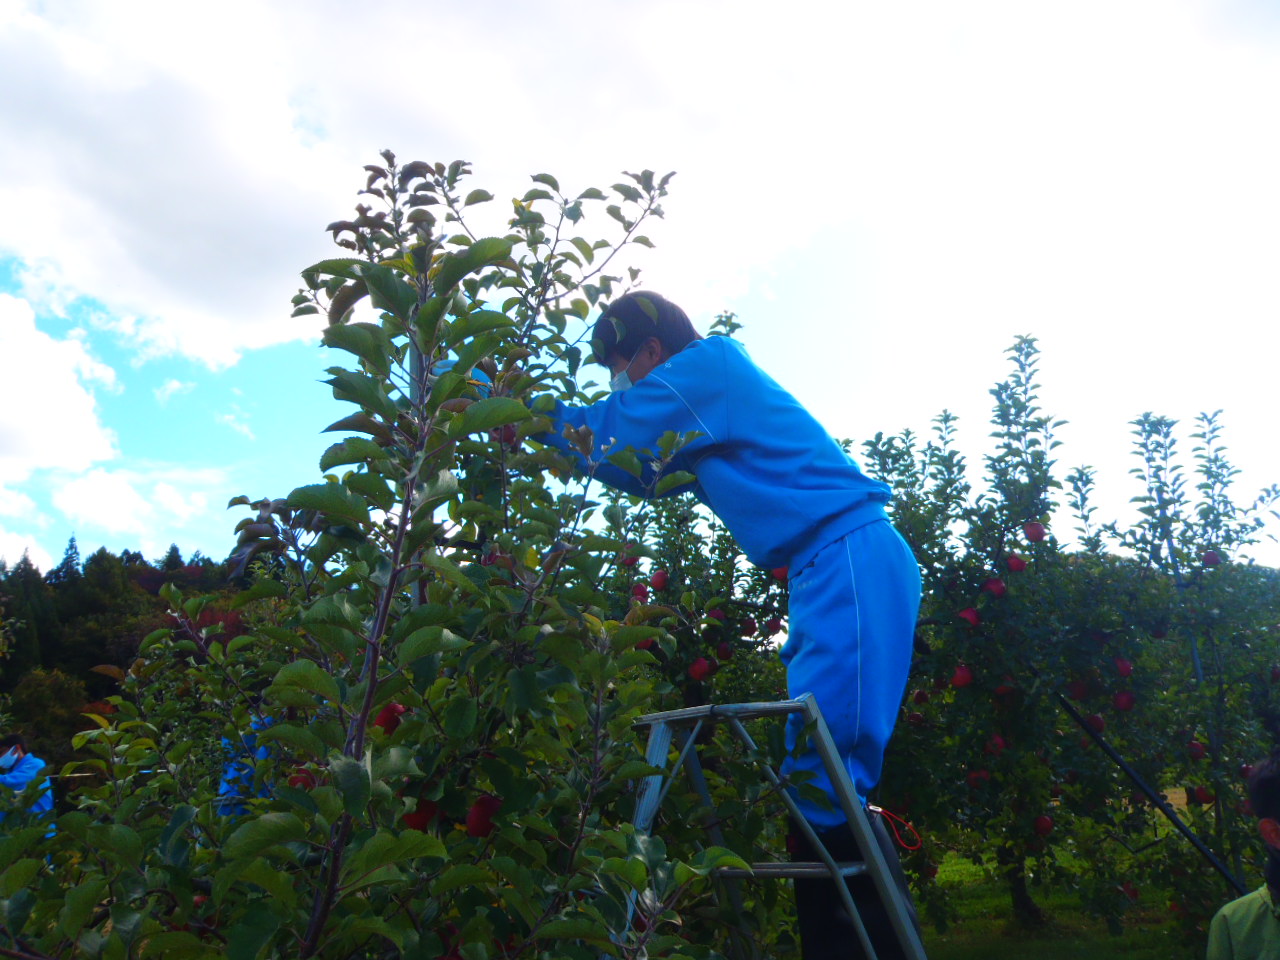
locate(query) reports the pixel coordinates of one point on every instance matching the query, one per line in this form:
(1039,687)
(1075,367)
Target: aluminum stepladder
(689,723)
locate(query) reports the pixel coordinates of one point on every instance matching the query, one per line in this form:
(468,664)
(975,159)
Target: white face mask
(623,380)
(9,759)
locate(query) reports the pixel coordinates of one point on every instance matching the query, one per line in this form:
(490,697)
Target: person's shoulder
(1257,901)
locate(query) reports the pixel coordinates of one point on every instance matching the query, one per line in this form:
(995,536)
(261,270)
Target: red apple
(920,696)
(749,627)
(1034,530)
(994,586)
(781,573)
(970,616)
(1015,563)
(421,818)
(962,677)
(645,644)
(702,668)
(995,746)
(724,651)
(1043,825)
(1006,687)
(1210,558)
(302,778)
(641,592)
(388,717)
(1196,750)
(480,816)
(977,778)
(1246,771)
(1204,795)
(716,615)
(930,870)
(505,434)
(1096,722)
(1124,701)
(1130,890)
(916,719)
(1123,667)
(1077,690)
(660,579)
(773,626)
(628,561)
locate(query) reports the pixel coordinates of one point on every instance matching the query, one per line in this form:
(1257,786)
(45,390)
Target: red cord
(894,820)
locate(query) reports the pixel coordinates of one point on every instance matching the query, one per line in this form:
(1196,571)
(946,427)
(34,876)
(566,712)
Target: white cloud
(49,419)
(14,545)
(15,504)
(235,420)
(904,186)
(170,388)
(152,505)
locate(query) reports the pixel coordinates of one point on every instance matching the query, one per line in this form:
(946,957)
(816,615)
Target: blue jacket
(767,468)
(22,773)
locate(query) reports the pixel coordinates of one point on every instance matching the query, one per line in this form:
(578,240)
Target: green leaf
(584,248)
(477,196)
(672,480)
(462,875)
(351,777)
(178,945)
(390,292)
(248,938)
(348,268)
(79,905)
(261,590)
(487,414)
(426,641)
(260,833)
(631,869)
(368,341)
(331,499)
(476,322)
(18,875)
(350,450)
(385,848)
(302,741)
(547,179)
(448,570)
(307,675)
(626,460)
(575,928)
(454,266)
(361,389)
(460,717)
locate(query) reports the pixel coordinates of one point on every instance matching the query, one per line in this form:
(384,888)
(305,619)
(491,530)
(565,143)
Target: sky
(885,193)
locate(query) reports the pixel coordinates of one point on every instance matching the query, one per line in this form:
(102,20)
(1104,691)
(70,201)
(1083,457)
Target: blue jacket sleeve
(23,772)
(685,395)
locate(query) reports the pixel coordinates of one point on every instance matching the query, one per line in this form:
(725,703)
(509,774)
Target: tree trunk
(1026,912)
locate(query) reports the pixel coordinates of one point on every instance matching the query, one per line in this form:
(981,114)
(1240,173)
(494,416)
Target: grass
(985,930)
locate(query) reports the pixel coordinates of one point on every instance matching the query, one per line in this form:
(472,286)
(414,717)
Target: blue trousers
(852,619)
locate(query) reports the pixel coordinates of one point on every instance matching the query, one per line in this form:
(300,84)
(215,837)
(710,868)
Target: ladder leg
(651,787)
(812,837)
(892,898)
(694,766)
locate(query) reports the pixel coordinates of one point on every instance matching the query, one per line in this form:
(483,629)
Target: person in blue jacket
(792,497)
(18,768)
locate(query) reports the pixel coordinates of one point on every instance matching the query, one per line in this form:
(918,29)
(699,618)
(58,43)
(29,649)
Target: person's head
(12,749)
(637,332)
(1264,797)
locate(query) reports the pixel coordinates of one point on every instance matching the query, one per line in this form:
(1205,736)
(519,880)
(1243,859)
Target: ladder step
(723,711)
(800,869)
